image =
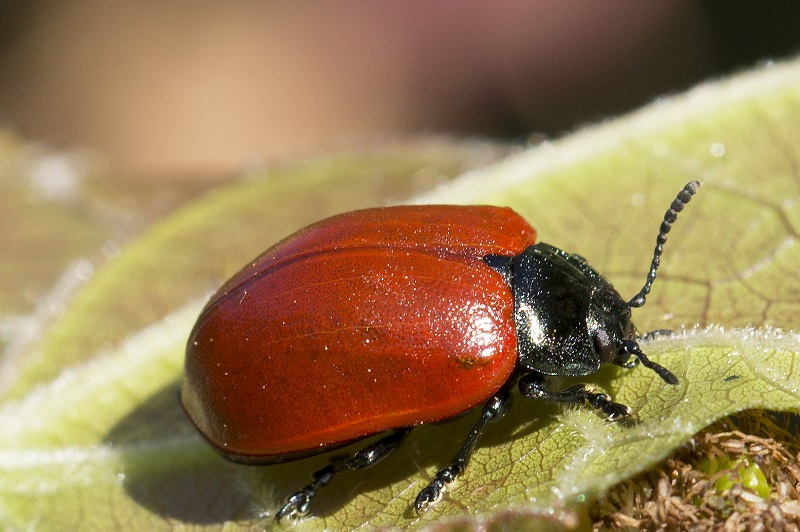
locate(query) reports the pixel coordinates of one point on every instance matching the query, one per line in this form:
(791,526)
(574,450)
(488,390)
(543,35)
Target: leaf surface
(93,435)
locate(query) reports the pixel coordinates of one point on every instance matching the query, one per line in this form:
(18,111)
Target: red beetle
(383,319)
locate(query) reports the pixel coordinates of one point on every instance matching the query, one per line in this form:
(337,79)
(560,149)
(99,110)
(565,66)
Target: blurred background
(208,88)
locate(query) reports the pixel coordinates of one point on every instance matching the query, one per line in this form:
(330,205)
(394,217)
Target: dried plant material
(741,473)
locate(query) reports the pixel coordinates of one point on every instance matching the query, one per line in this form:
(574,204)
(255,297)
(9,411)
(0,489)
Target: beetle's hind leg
(495,408)
(298,503)
(534,386)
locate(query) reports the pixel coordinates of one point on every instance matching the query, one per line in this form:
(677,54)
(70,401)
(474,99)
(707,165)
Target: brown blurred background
(211,87)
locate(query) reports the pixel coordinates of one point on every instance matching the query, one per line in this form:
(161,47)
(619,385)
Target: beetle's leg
(534,386)
(495,408)
(628,364)
(649,335)
(298,503)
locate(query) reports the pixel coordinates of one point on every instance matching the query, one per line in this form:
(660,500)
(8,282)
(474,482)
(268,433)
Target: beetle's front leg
(534,386)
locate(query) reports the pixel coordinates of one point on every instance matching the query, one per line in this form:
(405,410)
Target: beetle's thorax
(569,319)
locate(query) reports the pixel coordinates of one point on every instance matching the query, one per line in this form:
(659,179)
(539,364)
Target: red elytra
(364,322)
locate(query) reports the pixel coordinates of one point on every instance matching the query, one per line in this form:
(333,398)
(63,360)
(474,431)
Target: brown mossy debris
(741,473)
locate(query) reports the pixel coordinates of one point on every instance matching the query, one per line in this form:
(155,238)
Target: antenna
(684,196)
(633,348)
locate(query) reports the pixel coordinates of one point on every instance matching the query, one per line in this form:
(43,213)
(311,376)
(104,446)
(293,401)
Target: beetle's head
(615,335)
(570,319)
(609,323)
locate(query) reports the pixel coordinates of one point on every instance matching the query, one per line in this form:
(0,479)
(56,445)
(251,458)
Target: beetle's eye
(630,331)
(605,346)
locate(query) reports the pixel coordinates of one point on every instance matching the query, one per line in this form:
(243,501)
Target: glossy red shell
(363,322)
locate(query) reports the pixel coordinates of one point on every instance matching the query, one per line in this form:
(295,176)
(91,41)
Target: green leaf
(93,435)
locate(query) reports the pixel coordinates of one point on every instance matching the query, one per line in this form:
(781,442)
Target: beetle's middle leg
(534,386)
(495,408)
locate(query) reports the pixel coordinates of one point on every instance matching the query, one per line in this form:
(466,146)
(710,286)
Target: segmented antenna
(684,196)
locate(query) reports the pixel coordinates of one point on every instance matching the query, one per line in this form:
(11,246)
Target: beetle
(375,321)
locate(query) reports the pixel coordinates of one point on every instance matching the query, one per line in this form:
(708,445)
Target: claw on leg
(432,493)
(296,506)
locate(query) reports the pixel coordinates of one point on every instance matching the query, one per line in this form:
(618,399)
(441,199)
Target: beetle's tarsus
(432,493)
(296,506)
(649,335)
(614,411)
(534,386)
(429,496)
(630,364)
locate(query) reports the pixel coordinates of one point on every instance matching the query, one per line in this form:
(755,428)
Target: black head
(569,318)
